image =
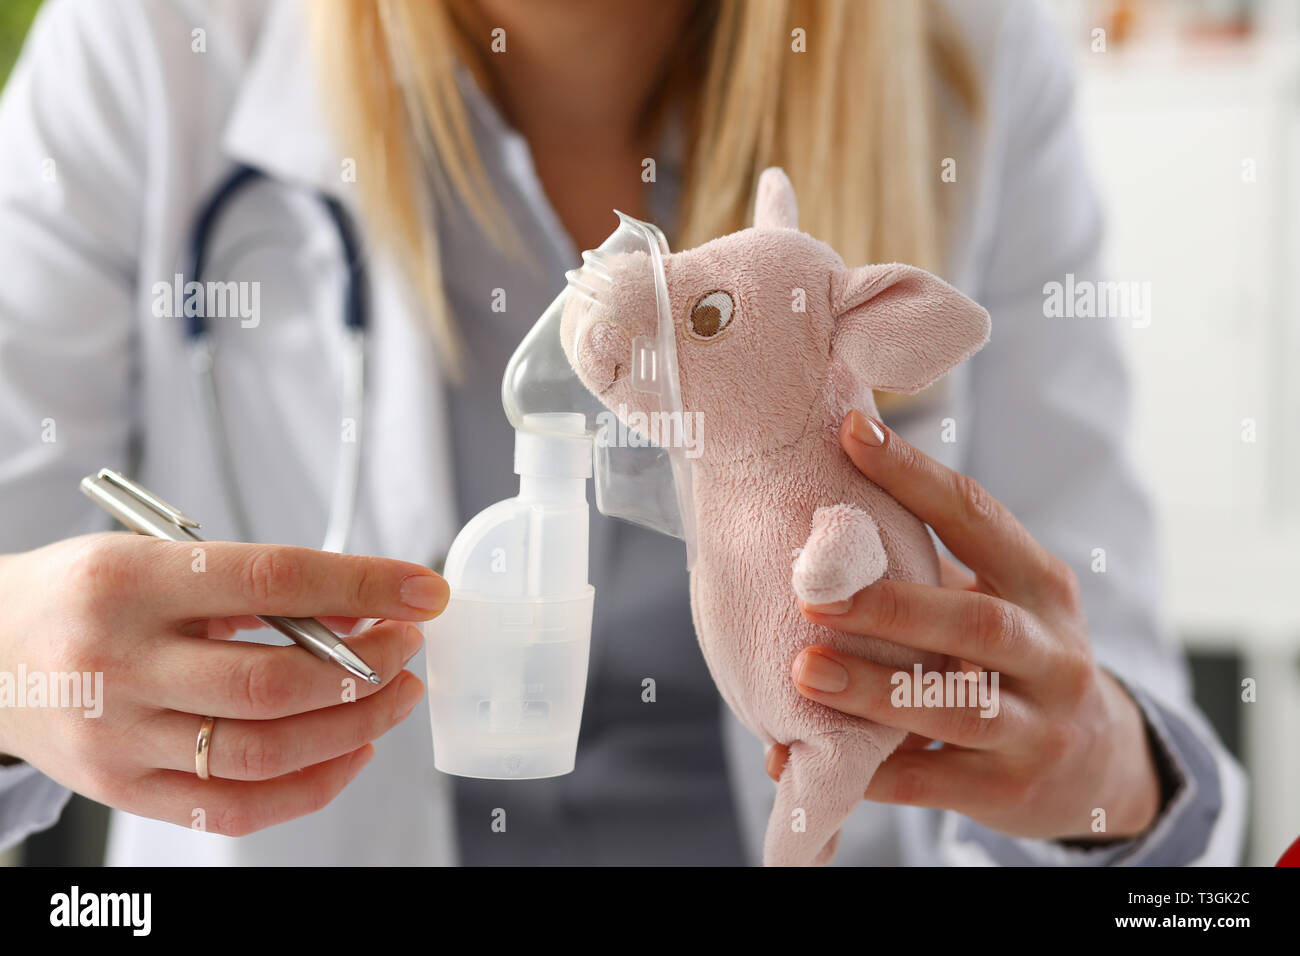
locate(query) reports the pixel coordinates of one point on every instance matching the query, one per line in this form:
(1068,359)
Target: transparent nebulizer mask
(636,479)
(507,659)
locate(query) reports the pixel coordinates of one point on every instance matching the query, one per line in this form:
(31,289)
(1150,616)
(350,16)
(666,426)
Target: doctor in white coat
(119,121)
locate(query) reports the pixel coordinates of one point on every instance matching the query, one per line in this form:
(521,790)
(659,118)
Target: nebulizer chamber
(507,659)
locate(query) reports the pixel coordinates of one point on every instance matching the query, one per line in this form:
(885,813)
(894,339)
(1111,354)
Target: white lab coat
(113,132)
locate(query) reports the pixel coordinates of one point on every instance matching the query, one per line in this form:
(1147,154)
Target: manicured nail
(770,764)
(835,607)
(359,760)
(412,641)
(364,624)
(820,673)
(866,430)
(408,695)
(424,592)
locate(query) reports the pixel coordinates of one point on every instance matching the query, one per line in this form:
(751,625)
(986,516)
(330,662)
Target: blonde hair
(854,122)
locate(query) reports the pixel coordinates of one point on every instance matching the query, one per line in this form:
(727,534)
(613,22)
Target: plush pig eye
(710,316)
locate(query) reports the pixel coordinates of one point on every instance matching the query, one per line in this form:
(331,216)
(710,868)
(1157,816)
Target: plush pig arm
(844,554)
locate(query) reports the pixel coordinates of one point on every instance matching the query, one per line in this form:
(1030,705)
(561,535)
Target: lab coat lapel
(278,123)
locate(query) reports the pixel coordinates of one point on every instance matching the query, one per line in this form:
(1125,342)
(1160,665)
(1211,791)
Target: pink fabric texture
(782,513)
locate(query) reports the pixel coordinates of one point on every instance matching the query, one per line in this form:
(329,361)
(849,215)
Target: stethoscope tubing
(203,357)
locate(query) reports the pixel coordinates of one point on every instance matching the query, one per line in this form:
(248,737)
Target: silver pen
(145,513)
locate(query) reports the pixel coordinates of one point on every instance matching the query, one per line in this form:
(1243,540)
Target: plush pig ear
(898,328)
(775,206)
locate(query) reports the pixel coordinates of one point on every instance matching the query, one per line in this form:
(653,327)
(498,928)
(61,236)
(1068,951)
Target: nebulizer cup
(507,659)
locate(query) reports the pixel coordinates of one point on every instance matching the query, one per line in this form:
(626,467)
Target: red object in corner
(1292,855)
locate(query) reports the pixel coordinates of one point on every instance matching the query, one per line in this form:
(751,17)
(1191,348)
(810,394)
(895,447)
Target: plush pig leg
(843,555)
(822,783)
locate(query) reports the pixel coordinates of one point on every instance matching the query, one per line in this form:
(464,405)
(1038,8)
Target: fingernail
(866,430)
(364,624)
(835,607)
(820,673)
(359,759)
(424,592)
(770,764)
(408,695)
(412,641)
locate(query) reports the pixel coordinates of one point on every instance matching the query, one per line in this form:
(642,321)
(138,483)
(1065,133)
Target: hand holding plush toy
(781,512)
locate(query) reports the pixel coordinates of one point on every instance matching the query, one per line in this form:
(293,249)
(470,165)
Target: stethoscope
(202,351)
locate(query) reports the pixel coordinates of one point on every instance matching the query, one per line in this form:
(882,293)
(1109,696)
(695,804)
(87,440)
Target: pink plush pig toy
(777,340)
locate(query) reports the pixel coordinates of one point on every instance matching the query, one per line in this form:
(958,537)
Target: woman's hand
(151,617)
(1066,740)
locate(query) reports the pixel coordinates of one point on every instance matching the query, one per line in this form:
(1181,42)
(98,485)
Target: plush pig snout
(612,302)
(604,352)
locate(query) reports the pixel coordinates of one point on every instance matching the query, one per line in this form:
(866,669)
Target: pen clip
(146,497)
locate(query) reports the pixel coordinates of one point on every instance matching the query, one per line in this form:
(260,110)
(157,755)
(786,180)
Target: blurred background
(1191,114)
(15,17)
